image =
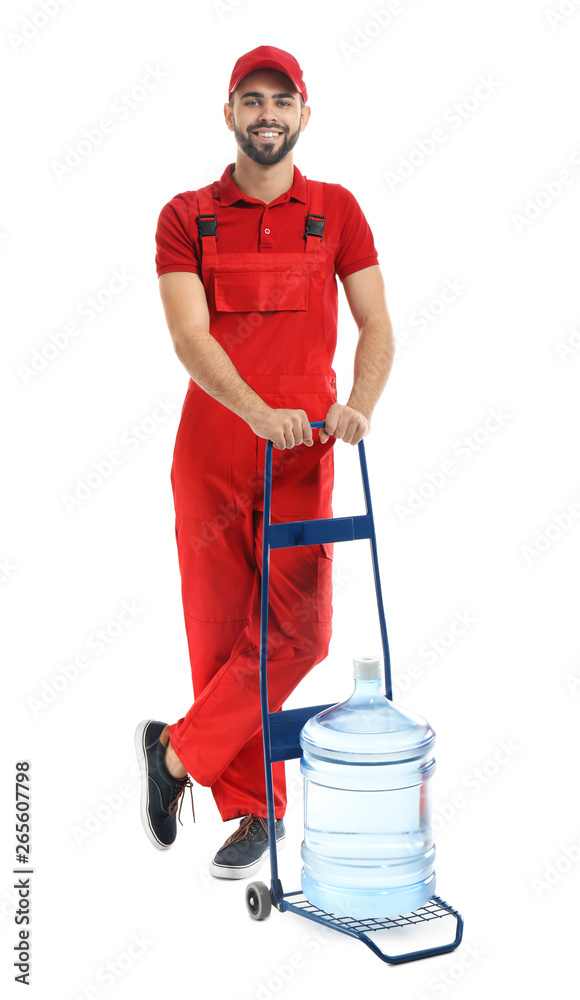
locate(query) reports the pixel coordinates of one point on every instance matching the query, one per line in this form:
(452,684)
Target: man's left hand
(345,423)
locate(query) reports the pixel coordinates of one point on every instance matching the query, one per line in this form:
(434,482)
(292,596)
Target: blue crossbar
(322,529)
(285,730)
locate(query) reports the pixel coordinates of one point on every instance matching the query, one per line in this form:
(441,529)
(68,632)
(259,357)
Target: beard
(265,153)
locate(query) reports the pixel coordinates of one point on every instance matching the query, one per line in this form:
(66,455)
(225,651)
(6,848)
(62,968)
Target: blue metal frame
(281,730)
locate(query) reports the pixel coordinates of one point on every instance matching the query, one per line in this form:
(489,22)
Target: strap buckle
(207,225)
(314,225)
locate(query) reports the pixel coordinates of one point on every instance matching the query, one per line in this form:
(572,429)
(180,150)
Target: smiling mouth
(267,135)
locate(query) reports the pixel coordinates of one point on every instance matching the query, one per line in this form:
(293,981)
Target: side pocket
(324,588)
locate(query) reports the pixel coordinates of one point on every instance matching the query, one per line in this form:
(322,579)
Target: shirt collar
(230,193)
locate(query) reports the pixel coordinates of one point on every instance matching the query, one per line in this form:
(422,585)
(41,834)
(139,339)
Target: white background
(483,211)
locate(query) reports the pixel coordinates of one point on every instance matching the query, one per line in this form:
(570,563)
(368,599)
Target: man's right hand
(284,428)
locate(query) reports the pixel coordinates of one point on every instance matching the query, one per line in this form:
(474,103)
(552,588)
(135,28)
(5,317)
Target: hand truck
(281,730)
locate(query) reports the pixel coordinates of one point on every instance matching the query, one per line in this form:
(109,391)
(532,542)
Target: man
(247,275)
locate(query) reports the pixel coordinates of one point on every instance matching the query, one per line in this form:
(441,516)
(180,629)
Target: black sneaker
(161,793)
(246,849)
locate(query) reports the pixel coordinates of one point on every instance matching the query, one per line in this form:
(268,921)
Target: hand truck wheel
(258,900)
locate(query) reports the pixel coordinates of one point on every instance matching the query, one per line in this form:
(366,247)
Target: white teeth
(269,135)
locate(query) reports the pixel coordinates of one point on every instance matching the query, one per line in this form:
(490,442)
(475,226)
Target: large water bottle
(368,849)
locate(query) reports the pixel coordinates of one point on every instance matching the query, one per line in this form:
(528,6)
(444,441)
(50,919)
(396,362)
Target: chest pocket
(261,291)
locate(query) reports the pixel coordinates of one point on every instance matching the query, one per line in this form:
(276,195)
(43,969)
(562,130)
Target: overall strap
(206,219)
(315,219)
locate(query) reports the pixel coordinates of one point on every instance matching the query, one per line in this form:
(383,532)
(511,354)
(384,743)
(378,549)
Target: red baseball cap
(268,57)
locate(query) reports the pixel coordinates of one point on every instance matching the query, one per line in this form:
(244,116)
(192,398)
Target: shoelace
(244,829)
(181,786)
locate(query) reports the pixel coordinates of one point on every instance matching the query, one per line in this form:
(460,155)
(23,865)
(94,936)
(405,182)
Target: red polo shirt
(249,225)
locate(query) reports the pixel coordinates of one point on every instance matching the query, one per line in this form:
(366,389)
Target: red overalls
(266,310)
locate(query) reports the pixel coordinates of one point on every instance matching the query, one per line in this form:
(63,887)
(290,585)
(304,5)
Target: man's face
(266,102)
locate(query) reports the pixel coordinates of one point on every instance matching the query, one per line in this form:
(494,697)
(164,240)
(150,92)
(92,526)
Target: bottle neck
(365,689)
